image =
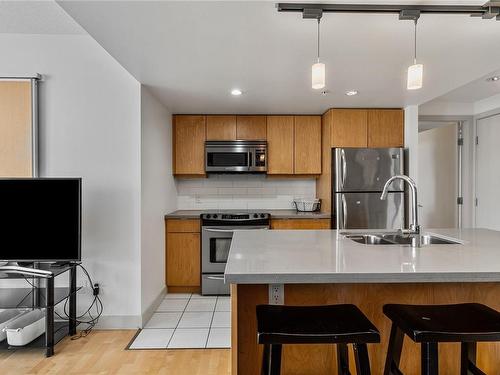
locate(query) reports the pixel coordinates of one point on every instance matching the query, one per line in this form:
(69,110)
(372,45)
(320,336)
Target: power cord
(96,302)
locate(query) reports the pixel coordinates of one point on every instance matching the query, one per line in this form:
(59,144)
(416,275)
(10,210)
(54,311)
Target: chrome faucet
(414,226)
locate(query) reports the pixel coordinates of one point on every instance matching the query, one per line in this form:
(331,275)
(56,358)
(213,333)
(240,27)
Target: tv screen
(40,219)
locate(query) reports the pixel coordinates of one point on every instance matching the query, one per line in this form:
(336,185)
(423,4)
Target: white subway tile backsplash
(242,192)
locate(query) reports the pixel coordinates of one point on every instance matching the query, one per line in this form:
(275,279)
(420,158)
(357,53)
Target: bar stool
(429,325)
(330,324)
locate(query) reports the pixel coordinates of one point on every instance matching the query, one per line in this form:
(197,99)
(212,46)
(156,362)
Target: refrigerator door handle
(344,212)
(344,167)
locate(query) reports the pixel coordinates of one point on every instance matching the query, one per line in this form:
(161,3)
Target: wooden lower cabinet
(183,263)
(300,224)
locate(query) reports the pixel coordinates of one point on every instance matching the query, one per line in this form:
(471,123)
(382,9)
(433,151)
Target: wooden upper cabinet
(307,142)
(280,144)
(221,128)
(385,128)
(189,145)
(349,127)
(251,128)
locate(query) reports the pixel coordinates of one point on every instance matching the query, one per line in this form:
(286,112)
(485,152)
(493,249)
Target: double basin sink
(399,239)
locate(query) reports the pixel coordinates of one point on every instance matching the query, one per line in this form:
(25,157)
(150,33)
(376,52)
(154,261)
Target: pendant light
(415,71)
(318,69)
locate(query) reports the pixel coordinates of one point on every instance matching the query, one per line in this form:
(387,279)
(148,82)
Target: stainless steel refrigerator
(359,175)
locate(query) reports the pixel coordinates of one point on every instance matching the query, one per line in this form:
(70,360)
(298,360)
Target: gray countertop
(324,256)
(279,214)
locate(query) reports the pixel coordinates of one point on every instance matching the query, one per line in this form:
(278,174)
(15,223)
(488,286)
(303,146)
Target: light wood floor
(102,352)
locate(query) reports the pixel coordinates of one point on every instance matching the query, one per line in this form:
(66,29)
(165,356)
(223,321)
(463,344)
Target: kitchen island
(323,267)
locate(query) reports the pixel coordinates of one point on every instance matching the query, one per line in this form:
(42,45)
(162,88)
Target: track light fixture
(318,71)
(489,10)
(415,71)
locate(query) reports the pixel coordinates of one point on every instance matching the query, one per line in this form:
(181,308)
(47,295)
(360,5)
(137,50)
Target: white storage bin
(6,317)
(26,328)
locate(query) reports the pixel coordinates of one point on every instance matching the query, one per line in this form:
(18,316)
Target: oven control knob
(262,216)
(209,216)
(255,216)
(215,216)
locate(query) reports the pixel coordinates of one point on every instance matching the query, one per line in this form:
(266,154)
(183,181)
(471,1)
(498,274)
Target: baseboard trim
(150,310)
(184,289)
(118,322)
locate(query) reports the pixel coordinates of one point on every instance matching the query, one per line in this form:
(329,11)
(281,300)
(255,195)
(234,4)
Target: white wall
(90,127)
(242,192)
(411,141)
(438,166)
(438,107)
(488,104)
(158,197)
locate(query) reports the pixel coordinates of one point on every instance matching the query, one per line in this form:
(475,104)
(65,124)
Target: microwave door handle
(250,160)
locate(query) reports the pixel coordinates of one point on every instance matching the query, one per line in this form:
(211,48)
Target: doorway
(439,174)
(488,172)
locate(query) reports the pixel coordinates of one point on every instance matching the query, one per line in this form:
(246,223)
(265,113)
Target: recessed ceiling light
(351,92)
(236,92)
(494,79)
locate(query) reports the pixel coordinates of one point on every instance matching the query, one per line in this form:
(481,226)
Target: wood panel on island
(182,258)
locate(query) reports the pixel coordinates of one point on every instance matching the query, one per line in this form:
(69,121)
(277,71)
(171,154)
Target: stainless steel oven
(216,235)
(235,156)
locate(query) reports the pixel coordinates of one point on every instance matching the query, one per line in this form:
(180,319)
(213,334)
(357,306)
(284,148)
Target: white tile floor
(187,321)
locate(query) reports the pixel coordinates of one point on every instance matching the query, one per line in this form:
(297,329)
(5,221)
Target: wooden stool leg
(265,360)
(275,363)
(429,355)
(342,359)
(394,351)
(362,360)
(468,358)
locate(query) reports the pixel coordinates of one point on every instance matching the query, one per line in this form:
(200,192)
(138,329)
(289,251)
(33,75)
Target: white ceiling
(192,53)
(36,17)
(474,91)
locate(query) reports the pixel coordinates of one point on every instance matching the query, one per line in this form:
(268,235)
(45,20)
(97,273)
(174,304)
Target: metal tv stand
(41,294)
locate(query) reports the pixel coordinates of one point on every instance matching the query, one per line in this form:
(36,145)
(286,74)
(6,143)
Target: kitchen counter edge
(275,214)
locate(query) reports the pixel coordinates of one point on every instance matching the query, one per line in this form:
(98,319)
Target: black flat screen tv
(40,219)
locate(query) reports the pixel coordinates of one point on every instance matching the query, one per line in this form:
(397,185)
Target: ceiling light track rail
(485,11)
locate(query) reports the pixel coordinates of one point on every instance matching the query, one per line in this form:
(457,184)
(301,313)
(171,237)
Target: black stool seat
(331,324)
(429,325)
(314,324)
(468,322)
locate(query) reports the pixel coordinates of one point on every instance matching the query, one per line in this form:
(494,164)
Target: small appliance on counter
(359,175)
(217,230)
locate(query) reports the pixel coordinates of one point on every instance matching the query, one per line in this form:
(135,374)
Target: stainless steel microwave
(236,156)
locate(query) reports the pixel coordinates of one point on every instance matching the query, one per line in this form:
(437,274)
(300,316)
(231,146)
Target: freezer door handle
(344,212)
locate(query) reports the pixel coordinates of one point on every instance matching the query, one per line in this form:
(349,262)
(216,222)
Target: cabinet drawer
(300,224)
(183,226)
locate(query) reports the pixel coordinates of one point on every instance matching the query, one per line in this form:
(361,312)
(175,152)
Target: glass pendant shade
(318,76)
(415,77)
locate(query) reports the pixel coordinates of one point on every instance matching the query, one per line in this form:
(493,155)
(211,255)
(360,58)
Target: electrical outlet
(276,294)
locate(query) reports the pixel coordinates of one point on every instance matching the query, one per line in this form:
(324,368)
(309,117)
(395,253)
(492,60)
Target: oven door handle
(215,277)
(231,230)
